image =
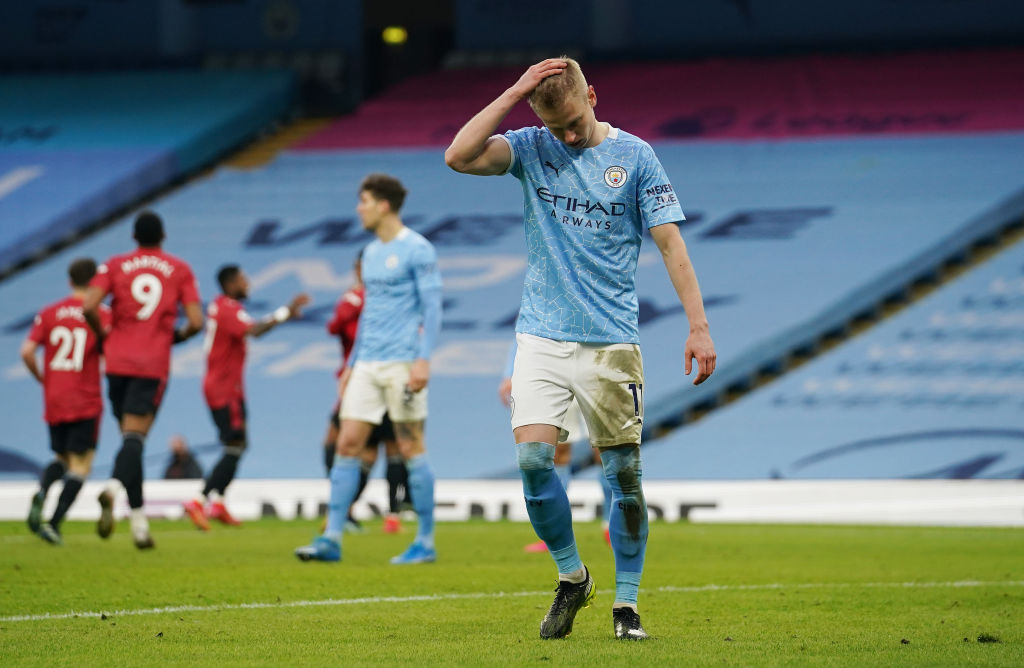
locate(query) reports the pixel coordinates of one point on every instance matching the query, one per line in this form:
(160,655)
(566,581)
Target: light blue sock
(344,484)
(627,585)
(421,487)
(606,513)
(627,521)
(564,474)
(547,504)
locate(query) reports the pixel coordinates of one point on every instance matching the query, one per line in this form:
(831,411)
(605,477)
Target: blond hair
(557,88)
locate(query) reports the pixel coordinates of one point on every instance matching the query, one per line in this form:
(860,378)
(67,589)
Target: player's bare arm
(282,314)
(193,322)
(91,309)
(419,374)
(475,149)
(28,356)
(699,346)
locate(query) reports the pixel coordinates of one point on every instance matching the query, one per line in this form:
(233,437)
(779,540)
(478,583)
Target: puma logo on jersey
(547,163)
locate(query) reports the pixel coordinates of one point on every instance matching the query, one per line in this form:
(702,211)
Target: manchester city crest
(615,176)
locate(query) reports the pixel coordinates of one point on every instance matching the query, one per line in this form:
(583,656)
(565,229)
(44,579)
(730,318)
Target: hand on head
(537,73)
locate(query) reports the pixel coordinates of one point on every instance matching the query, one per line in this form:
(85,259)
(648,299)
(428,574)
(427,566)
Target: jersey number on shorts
(638,397)
(70,348)
(147,290)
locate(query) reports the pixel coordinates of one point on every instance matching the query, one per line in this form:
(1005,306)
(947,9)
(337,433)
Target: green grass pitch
(712,595)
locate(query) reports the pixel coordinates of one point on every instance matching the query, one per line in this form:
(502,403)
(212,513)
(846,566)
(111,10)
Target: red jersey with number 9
(147,286)
(71,361)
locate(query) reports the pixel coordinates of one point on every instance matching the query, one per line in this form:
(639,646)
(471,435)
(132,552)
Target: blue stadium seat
(936,391)
(76,148)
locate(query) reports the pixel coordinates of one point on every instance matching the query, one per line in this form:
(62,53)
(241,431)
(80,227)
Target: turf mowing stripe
(477,595)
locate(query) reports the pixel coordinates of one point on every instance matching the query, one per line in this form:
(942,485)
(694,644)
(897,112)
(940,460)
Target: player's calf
(548,505)
(628,529)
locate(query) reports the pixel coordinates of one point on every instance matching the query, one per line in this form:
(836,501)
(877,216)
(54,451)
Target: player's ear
(591,96)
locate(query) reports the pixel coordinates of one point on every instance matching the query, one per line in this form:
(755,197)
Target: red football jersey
(71,361)
(146,287)
(226,327)
(345,322)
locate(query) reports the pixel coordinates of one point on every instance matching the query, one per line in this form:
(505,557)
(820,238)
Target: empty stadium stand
(936,391)
(790,240)
(805,96)
(77,148)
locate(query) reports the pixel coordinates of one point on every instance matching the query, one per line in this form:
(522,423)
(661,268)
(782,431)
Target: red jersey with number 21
(227,324)
(147,286)
(71,361)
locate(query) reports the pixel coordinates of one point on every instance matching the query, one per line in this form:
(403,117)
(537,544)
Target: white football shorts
(606,379)
(375,388)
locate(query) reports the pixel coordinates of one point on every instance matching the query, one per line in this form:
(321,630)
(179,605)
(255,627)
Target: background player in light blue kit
(389,367)
(589,192)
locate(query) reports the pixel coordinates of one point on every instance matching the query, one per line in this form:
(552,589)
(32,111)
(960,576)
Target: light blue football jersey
(403,295)
(585,211)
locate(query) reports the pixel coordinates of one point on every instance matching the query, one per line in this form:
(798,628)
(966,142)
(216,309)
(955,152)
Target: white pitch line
(839,585)
(479,595)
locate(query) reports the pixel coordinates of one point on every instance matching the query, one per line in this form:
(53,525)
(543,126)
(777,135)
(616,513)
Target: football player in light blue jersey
(589,192)
(389,368)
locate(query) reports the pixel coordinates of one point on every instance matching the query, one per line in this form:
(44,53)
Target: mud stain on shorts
(618,411)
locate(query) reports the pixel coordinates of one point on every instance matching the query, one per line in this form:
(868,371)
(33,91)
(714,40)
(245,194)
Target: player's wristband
(281,314)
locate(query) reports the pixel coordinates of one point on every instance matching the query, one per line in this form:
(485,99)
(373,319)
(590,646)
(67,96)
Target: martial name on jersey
(141,262)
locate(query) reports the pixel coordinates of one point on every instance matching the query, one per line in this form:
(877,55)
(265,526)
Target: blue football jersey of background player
(403,293)
(585,211)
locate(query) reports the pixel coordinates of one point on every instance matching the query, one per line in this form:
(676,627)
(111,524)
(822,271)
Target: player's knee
(533,456)
(79,466)
(348,446)
(622,470)
(135,422)
(409,436)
